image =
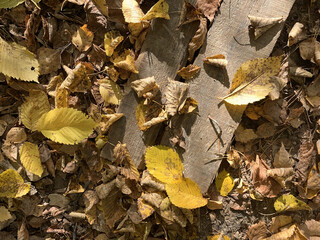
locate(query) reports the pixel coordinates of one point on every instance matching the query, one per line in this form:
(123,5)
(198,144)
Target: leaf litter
(62,83)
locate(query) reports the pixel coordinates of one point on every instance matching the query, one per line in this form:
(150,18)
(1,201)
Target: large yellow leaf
(30,158)
(33,108)
(254,80)
(224,182)
(289,203)
(12,184)
(185,194)
(110,91)
(16,61)
(65,125)
(164,164)
(159,10)
(131,11)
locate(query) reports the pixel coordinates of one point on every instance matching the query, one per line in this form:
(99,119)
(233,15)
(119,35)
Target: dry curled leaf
(293,233)
(198,38)
(208,7)
(189,71)
(82,38)
(279,221)
(217,60)
(125,61)
(296,34)
(142,86)
(159,10)
(257,231)
(175,93)
(282,158)
(261,24)
(131,11)
(111,40)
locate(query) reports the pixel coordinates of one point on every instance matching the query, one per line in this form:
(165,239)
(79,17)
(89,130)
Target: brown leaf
(49,60)
(23,233)
(257,231)
(123,158)
(208,7)
(290,233)
(279,221)
(198,38)
(266,130)
(307,155)
(188,72)
(82,38)
(296,34)
(282,158)
(245,135)
(142,86)
(262,183)
(176,93)
(310,228)
(217,60)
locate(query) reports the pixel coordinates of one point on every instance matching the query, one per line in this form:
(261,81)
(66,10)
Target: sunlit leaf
(16,61)
(224,182)
(159,10)
(289,203)
(110,91)
(65,125)
(185,194)
(30,158)
(111,40)
(218,237)
(82,38)
(131,11)
(144,208)
(33,108)
(164,164)
(125,61)
(189,71)
(12,184)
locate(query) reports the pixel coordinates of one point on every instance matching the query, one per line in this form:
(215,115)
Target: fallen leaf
(65,125)
(217,60)
(281,175)
(16,61)
(164,164)
(30,158)
(289,203)
(16,135)
(142,86)
(125,61)
(33,108)
(61,99)
(245,135)
(265,185)
(185,194)
(198,38)
(82,38)
(145,209)
(49,60)
(282,158)
(257,231)
(310,228)
(110,91)
(112,73)
(224,183)
(102,6)
(218,237)
(107,120)
(290,233)
(188,106)
(261,24)
(78,79)
(208,7)
(254,80)
(189,71)
(11,3)
(296,34)
(122,156)
(266,130)
(4,214)
(159,10)
(111,41)
(12,184)
(279,221)
(175,93)
(149,115)
(131,11)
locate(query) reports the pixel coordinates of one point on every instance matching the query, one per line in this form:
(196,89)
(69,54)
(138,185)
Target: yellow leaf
(12,184)
(102,6)
(164,164)
(65,125)
(30,158)
(224,182)
(144,208)
(111,40)
(188,106)
(110,91)
(125,61)
(149,115)
(289,203)
(254,68)
(4,214)
(185,194)
(17,62)
(216,237)
(291,233)
(217,60)
(33,108)
(159,10)
(189,71)
(82,38)
(131,11)
(10,3)
(61,99)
